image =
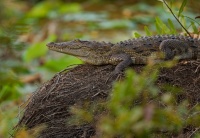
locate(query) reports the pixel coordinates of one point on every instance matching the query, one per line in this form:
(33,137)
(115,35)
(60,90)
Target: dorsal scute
(76,40)
(156,40)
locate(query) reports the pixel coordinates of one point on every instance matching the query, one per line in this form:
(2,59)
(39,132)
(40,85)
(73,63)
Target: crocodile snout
(51,44)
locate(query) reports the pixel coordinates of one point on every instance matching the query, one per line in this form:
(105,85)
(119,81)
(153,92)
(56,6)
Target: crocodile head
(88,51)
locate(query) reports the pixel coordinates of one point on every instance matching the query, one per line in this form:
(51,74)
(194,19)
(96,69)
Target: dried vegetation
(50,103)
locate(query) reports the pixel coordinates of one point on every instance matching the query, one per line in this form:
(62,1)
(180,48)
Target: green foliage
(20,24)
(9,92)
(148,32)
(11,65)
(136,35)
(140,120)
(180,17)
(85,16)
(136,108)
(81,116)
(126,117)
(38,49)
(52,9)
(8,112)
(162,28)
(63,62)
(169,27)
(116,24)
(182,7)
(172,27)
(194,27)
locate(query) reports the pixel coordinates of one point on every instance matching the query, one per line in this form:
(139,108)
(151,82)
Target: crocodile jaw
(67,48)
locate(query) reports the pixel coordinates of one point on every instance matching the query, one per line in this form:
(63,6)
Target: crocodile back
(141,48)
(152,43)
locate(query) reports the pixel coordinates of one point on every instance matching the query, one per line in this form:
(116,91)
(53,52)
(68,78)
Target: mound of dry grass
(50,103)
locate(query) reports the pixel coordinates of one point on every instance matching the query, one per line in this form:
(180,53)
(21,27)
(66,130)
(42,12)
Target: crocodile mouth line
(54,46)
(70,51)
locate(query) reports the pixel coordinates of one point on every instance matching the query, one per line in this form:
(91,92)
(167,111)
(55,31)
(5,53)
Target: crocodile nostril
(50,44)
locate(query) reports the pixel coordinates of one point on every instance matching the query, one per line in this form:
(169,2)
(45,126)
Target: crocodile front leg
(121,60)
(176,48)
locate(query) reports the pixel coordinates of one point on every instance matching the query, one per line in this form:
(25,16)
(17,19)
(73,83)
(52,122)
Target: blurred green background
(27,25)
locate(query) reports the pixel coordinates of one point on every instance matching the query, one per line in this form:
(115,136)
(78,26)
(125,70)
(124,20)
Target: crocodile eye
(76,40)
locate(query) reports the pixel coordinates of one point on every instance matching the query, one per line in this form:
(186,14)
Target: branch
(176,17)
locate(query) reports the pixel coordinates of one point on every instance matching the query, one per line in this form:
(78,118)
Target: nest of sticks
(51,103)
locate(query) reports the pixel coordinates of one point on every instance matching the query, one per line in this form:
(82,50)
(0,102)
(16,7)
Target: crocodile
(132,51)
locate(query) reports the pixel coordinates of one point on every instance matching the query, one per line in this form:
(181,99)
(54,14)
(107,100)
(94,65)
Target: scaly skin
(133,51)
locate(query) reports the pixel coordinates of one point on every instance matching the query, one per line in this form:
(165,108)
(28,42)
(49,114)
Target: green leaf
(70,8)
(148,32)
(171,3)
(61,63)
(171,27)
(40,10)
(53,9)
(183,21)
(136,35)
(165,6)
(9,92)
(164,29)
(158,29)
(38,49)
(195,29)
(182,7)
